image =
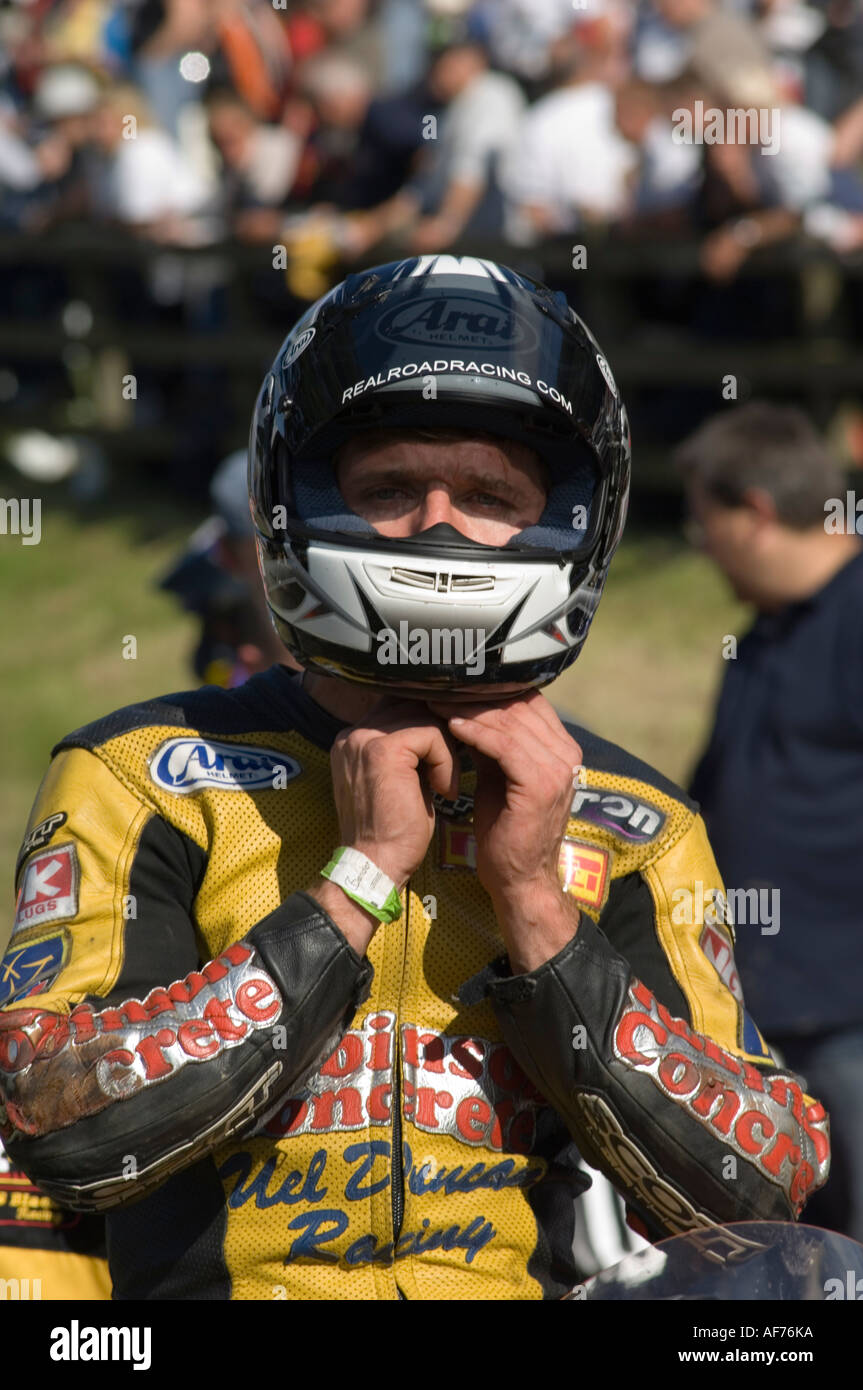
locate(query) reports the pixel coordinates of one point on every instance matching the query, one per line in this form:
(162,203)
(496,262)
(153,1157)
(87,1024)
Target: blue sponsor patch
(30,968)
(185,765)
(753,1041)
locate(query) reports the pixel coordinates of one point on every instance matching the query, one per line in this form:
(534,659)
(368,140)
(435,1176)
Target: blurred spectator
(161,32)
(339,91)
(789,28)
(371,167)
(724,50)
(668,174)
(349,28)
(570,165)
(40,160)
(848,145)
(403,29)
(779,782)
(21,169)
(659,50)
(217,578)
(84,31)
(177,44)
(359,150)
(259,164)
(766,196)
(250,54)
(834,63)
(767,176)
(141,179)
(840,222)
(456,190)
(520,33)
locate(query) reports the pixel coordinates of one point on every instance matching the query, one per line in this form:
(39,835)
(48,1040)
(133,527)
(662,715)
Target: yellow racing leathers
(196,1049)
(46,1252)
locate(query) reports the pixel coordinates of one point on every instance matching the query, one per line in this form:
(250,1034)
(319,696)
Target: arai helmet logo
(190,764)
(297,346)
(455,319)
(606,372)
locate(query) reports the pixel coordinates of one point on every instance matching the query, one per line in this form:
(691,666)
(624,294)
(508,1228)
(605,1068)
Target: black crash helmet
(428,343)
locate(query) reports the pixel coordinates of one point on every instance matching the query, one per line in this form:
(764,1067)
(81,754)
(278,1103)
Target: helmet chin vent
(441,581)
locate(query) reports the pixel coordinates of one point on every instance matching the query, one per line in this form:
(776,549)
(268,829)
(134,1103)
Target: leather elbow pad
(103,1107)
(654,1105)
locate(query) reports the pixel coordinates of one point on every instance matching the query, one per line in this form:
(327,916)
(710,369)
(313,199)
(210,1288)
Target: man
(667,179)
(145,182)
(570,167)
(387,1023)
(455,191)
(259,164)
(216,577)
(723,49)
(779,780)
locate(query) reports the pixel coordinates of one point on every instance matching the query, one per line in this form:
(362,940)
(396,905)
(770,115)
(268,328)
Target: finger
(546,711)
(529,714)
(427,740)
(436,750)
(535,756)
(391,721)
(543,720)
(526,729)
(523,722)
(531,700)
(522,761)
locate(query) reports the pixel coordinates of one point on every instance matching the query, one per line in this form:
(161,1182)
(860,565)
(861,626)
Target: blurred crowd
(333,126)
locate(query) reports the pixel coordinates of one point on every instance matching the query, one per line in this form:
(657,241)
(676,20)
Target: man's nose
(436,507)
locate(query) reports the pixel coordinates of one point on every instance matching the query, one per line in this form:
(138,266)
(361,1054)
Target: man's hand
(384,772)
(526,762)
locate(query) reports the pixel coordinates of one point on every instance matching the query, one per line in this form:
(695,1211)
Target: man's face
(633,112)
(730,536)
(487,490)
(453,69)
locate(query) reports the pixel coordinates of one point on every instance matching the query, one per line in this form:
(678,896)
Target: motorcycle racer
(307,1013)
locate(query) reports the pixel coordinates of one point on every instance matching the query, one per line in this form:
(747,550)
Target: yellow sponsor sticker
(583,871)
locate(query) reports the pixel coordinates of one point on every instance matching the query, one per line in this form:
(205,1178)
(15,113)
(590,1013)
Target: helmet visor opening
(315,509)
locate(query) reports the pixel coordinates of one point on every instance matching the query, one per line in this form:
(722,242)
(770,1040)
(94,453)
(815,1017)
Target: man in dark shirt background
(781,780)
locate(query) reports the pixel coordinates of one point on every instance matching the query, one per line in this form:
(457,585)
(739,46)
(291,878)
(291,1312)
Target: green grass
(67,605)
(646,679)
(649,672)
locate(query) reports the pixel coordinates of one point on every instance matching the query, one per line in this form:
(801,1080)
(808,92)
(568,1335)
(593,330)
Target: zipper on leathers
(398,1177)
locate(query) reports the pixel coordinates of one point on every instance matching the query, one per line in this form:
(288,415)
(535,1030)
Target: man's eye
(490,498)
(385,494)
